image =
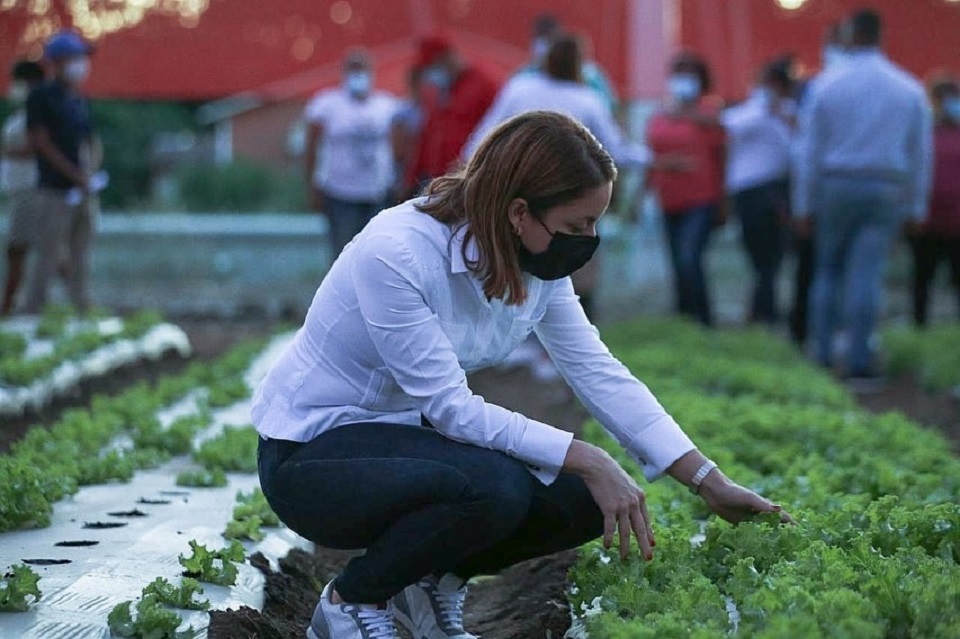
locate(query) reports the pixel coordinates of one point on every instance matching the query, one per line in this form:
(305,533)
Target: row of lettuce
(70,338)
(876,549)
(113,436)
(117,435)
(875,552)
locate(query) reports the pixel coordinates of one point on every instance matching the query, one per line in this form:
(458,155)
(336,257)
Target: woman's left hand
(735,503)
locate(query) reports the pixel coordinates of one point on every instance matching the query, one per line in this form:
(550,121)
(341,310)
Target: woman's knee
(503,492)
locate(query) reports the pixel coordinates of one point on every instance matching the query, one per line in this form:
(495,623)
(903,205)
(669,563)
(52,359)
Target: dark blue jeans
(346,219)
(761,210)
(856,223)
(688,232)
(419,503)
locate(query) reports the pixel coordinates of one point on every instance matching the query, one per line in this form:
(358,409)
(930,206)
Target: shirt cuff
(544,448)
(658,446)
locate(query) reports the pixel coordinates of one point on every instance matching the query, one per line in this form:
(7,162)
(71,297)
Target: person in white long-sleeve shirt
(863,160)
(759,131)
(371,437)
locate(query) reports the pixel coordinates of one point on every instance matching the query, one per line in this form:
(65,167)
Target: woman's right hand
(622,502)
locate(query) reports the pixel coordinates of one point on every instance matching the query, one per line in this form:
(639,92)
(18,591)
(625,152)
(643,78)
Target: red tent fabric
(239,46)
(279,46)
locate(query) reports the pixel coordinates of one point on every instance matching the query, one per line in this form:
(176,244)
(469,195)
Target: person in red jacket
(462,94)
(689,146)
(938,238)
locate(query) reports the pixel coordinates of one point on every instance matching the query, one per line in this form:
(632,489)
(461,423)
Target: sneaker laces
(450,606)
(378,622)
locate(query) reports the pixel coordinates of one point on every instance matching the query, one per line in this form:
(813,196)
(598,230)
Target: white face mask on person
(17,92)
(358,83)
(684,87)
(76,70)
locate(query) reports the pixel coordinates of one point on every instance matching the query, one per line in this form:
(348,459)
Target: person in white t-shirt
(18,179)
(759,131)
(348,157)
(371,438)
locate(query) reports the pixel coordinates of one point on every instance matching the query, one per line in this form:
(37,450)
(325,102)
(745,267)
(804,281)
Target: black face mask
(565,255)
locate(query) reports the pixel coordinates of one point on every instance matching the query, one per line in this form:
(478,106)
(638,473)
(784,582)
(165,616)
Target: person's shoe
(433,608)
(350,621)
(865,382)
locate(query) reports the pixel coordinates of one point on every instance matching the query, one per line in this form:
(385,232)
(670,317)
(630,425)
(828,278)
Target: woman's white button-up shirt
(400,320)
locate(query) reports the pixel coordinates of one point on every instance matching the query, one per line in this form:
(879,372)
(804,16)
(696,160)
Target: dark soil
(940,411)
(12,428)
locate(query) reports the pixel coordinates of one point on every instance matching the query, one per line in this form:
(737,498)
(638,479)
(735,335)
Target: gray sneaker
(350,621)
(433,608)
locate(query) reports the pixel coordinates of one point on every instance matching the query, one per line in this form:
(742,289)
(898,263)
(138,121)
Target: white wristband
(699,476)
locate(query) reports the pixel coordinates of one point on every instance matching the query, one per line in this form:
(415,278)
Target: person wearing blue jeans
(688,233)
(862,164)
(345,219)
(855,226)
(349,154)
(413,498)
(370,437)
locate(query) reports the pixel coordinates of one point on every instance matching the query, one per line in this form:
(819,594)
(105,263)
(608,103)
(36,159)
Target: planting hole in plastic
(104,524)
(136,512)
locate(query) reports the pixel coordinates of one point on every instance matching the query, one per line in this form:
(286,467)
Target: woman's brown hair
(545,158)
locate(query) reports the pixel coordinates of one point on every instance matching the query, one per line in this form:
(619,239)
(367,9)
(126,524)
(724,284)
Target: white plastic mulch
(161,339)
(78,596)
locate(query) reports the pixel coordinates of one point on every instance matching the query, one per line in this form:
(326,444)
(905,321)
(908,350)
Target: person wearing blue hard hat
(68,154)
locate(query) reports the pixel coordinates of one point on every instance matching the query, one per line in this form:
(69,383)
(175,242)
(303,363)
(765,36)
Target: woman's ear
(516,212)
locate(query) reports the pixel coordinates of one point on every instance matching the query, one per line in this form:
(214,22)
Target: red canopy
(278,47)
(268,47)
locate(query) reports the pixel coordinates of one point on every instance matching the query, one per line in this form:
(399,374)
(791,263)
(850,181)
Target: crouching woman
(371,438)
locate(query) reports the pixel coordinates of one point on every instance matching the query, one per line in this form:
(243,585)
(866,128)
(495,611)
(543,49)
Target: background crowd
(804,165)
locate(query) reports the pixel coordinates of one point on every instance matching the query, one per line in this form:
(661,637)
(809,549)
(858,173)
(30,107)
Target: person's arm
(921,148)
(390,282)
(21,149)
(724,497)
(40,140)
(399,141)
(627,409)
(627,154)
(804,163)
(314,139)
(720,142)
(96,153)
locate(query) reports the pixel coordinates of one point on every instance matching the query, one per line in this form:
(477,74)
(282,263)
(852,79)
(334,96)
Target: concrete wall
(239,265)
(206,264)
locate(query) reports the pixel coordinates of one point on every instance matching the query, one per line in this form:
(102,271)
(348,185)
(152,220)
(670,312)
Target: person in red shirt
(689,142)
(463,93)
(938,238)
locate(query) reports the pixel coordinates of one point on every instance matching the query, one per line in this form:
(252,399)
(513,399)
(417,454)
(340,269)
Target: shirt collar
(457,263)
